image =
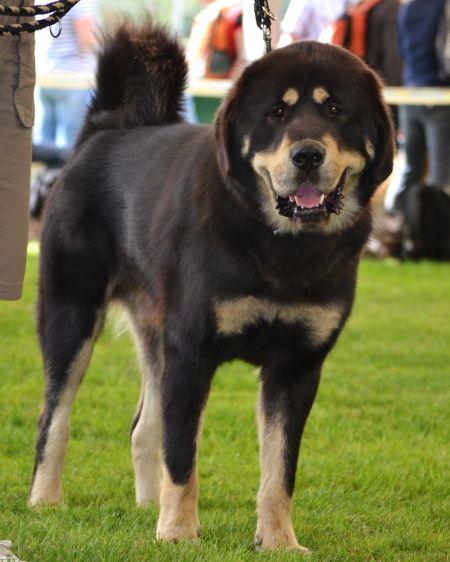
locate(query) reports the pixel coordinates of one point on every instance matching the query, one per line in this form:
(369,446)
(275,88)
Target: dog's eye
(334,110)
(279,112)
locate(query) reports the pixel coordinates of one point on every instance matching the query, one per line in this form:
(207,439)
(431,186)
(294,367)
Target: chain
(59,9)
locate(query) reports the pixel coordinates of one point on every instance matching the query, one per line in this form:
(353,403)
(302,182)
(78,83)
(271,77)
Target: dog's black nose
(307,157)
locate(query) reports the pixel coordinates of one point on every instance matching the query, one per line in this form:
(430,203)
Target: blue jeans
(426,147)
(62,115)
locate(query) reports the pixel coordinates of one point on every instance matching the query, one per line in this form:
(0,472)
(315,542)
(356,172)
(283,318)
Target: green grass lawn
(373,479)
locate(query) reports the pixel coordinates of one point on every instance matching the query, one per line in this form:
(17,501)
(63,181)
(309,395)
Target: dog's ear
(385,139)
(224,127)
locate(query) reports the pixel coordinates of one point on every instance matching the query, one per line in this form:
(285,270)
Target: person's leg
(414,149)
(45,129)
(71,109)
(437,131)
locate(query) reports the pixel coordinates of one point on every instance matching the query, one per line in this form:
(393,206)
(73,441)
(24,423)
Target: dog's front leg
(286,397)
(185,390)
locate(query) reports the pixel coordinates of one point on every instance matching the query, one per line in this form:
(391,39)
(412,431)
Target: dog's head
(307,136)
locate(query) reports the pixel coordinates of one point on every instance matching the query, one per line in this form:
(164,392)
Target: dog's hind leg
(75,273)
(146,426)
(67,341)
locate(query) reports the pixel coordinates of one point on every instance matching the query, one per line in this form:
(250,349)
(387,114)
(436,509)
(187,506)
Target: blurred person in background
(63,62)
(368,28)
(305,19)
(216,44)
(425,129)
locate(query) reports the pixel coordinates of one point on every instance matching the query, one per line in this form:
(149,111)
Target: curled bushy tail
(141,77)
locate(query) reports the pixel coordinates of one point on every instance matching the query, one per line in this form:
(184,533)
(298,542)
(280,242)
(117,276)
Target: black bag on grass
(40,188)
(427,223)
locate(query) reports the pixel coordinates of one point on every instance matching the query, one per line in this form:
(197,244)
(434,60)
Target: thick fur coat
(236,240)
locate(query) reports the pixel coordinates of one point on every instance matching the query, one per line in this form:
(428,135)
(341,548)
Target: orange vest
(350,30)
(212,46)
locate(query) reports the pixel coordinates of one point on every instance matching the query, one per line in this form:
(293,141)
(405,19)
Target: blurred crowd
(407,42)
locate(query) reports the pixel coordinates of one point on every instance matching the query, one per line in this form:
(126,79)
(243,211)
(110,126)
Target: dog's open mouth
(308,203)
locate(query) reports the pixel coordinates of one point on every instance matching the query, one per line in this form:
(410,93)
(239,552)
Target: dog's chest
(234,317)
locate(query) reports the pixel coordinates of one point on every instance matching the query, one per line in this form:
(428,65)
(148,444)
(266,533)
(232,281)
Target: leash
(59,9)
(264,18)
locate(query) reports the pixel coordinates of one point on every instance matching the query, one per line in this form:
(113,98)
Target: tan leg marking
(146,448)
(274,529)
(146,438)
(47,484)
(178,517)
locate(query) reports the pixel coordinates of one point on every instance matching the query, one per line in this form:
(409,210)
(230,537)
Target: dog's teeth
(322,199)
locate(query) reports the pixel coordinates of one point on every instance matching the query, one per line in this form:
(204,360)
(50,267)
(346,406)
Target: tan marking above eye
(291,96)
(320,95)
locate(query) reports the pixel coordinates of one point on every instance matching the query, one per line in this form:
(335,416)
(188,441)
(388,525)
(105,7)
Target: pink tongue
(307,196)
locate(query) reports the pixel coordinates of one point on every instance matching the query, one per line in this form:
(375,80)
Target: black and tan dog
(237,240)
